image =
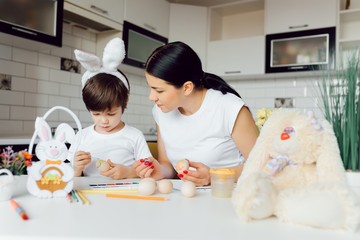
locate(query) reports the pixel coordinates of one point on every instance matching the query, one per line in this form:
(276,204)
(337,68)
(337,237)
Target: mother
(199,117)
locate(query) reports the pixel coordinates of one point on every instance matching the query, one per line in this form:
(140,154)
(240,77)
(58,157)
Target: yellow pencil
(136,197)
(102,191)
(83,198)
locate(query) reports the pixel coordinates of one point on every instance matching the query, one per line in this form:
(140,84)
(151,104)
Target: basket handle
(76,119)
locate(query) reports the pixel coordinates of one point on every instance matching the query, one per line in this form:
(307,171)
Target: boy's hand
(118,171)
(81,160)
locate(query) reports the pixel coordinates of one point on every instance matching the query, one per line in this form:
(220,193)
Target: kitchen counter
(180,218)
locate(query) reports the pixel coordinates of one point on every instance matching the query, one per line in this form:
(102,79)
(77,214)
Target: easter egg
(102,165)
(188,189)
(165,186)
(182,165)
(147,186)
(99,162)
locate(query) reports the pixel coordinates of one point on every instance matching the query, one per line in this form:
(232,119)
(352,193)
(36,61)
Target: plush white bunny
(51,176)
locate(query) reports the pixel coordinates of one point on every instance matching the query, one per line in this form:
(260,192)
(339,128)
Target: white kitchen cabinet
(236,39)
(294,15)
(152,15)
(233,57)
(349,25)
(111,9)
(191,29)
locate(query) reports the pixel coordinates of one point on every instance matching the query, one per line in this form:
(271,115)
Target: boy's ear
(188,87)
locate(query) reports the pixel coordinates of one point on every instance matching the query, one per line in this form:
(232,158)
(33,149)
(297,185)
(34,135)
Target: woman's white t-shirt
(122,147)
(204,136)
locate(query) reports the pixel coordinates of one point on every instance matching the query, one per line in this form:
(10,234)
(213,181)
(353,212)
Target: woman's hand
(148,167)
(200,176)
(118,171)
(81,160)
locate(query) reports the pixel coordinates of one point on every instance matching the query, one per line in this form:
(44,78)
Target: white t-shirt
(204,136)
(122,147)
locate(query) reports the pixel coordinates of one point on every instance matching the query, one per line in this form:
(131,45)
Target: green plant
(340,98)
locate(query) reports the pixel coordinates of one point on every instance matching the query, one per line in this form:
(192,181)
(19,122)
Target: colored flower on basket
(262,115)
(16,162)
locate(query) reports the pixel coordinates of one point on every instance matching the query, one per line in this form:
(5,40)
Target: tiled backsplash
(38,84)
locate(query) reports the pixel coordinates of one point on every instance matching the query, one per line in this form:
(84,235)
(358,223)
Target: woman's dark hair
(104,91)
(177,63)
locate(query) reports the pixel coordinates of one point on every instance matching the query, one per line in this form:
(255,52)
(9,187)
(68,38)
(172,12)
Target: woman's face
(166,96)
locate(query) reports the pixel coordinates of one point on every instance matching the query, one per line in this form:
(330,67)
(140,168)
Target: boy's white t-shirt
(122,147)
(204,136)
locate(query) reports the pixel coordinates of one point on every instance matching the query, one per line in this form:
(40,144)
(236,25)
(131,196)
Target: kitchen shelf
(349,25)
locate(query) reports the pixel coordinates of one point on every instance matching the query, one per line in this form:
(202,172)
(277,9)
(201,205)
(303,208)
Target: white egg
(182,165)
(147,187)
(165,186)
(188,189)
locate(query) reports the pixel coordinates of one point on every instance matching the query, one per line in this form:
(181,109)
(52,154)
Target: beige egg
(165,186)
(104,166)
(182,165)
(147,186)
(188,189)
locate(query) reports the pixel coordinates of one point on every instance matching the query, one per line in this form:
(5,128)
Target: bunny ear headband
(114,53)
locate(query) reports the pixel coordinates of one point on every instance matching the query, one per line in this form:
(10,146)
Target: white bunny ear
(43,129)
(65,133)
(89,61)
(114,54)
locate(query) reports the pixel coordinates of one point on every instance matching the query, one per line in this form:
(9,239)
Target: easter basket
(51,180)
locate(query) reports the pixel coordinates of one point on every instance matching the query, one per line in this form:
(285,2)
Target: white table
(201,217)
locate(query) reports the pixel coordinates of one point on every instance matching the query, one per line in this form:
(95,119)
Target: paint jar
(222,182)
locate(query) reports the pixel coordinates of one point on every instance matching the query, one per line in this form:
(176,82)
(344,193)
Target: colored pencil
(68,196)
(104,191)
(136,197)
(73,196)
(19,209)
(83,198)
(78,197)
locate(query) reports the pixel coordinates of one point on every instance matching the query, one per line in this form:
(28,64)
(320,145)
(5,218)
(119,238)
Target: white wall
(38,84)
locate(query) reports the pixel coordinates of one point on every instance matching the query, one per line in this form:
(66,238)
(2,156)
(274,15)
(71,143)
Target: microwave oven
(300,51)
(36,20)
(139,44)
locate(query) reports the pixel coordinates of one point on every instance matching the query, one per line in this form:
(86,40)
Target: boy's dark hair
(104,91)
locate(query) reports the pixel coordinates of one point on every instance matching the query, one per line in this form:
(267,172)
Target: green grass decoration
(339,90)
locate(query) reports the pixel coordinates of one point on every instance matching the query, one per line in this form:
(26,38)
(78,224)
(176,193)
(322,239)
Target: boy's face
(108,121)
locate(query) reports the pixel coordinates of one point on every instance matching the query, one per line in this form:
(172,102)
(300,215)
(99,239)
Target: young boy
(105,94)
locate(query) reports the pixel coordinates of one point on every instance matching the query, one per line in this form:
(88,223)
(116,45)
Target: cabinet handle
(149,26)
(232,72)
(299,26)
(99,9)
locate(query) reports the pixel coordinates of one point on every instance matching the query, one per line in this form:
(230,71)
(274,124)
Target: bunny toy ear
(43,129)
(114,54)
(65,133)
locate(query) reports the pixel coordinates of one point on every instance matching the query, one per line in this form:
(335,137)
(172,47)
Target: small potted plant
(340,98)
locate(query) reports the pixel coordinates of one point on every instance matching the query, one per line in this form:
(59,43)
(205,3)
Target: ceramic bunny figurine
(51,177)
